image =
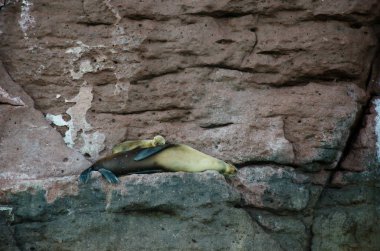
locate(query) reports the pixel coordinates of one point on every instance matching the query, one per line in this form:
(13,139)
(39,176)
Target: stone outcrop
(286,90)
(347,215)
(163,212)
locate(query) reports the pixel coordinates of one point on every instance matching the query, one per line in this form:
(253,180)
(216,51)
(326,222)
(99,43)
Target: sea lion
(167,157)
(133,144)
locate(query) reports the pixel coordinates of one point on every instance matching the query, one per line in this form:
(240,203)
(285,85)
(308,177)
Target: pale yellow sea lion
(167,157)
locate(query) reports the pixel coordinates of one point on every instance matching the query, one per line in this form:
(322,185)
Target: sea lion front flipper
(85,175)
(147,152)
(109,176)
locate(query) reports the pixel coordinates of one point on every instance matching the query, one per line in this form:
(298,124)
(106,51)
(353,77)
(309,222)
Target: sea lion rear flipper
(147,152)
(85,175)
(109,176)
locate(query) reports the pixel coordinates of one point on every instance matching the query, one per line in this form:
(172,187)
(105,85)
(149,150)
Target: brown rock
(29,147)
(11,93)
(225,77)
(374,80)
(264,84)
(240,122)
(364,150)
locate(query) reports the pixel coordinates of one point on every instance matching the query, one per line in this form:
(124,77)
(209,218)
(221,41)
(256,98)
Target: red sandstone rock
(246,81)
(364,151)
(197,74)
(29,147)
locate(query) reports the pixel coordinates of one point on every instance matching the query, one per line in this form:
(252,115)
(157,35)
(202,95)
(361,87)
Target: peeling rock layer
(286,90)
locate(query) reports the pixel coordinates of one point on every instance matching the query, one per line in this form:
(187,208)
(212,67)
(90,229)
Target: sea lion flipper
(109,176)
(85,175)
(147,152)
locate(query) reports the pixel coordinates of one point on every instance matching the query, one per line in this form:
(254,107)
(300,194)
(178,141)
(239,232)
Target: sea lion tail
(109,176)
(86,175)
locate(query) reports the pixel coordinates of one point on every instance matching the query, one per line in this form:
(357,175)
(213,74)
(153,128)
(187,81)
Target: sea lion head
(158,140)
(230,169)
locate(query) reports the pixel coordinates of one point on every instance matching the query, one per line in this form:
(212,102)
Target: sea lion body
(186,159)
(168,157)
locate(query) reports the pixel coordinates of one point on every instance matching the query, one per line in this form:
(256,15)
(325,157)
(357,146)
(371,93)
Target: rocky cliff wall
(286,90)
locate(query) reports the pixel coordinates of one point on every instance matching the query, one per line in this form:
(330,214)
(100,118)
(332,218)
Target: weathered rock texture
(286,90)
(162,212)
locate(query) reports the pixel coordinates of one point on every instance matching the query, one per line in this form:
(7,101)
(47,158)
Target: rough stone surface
(348,219)
(274,188)
(28,144)
(364,152)
(7,241)
(290,232)
(164,211)
(286,90)
(198,73)
(347,214)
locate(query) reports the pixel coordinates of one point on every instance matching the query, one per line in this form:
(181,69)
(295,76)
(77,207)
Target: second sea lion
(133,144)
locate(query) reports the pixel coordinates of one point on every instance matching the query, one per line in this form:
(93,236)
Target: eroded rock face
(347,215)
(364,152)
(283,89)
(207,74)
(30,147)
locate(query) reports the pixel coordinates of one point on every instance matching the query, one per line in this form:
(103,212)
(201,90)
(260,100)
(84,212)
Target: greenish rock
(283,195)
(289,231)
(7,241)
(347,219)
(369,178)
(167,211)
(280,189)
(346,196)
